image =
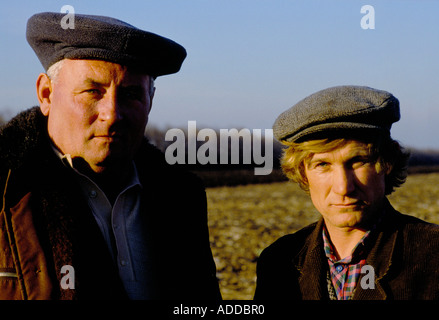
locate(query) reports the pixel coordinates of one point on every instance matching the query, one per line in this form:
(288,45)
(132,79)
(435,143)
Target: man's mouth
(347,204)
(109,137)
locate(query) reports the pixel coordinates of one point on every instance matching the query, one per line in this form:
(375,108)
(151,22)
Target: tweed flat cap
(102,38)
(338,109)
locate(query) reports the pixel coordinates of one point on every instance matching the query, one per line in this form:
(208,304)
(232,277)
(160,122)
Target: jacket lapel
(75,238)
(380,257)
(36,282)
(311,265)
(383,249)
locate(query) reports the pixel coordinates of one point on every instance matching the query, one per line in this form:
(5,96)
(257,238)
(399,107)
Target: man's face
(98,111)
(345,186)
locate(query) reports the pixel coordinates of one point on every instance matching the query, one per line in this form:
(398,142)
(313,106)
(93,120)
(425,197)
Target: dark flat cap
(338,109)
(102,38)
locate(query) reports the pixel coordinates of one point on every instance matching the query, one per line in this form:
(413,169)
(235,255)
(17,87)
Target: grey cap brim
(341,109)
(336,128)
(102,38)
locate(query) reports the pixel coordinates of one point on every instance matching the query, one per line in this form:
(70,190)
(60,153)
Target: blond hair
(387,154)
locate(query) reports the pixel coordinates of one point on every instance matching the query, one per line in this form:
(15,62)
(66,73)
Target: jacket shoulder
(152,162)
(171,187)
(413,270)
(276,271)
(411,226)
(20,137)
(416,230)
(289,245)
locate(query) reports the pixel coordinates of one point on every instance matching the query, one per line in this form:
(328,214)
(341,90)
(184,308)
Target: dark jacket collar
(21,138)
(311,264)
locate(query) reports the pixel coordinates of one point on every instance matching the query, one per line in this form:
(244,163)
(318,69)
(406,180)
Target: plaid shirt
(345,273)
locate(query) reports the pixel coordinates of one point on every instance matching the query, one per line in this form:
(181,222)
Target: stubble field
(243,220)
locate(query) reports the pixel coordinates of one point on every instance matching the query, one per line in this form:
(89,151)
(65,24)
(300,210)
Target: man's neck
(110,181)
(344,240)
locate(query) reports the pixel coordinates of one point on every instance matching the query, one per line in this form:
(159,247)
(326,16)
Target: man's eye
(132,95)
(93,91)
(358,162)
(321,165)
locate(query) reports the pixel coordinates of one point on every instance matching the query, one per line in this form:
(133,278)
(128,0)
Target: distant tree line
(421,161)
(219,174)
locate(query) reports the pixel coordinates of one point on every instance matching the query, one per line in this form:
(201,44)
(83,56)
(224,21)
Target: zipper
(8,275)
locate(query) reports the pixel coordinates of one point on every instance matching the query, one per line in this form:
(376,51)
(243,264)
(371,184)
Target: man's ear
(44,93)
(151,98)
(389,169)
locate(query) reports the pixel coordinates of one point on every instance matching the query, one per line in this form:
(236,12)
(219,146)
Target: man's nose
(110,108)
(343,181)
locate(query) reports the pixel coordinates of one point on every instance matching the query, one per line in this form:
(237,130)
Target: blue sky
(249,60)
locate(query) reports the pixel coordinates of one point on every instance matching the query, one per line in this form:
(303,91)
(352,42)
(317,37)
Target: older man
(340,151)
(90,209)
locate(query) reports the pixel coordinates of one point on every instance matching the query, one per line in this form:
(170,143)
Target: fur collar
(21,137)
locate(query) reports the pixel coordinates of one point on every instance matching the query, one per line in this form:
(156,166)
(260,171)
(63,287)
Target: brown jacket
(46,224)
(404,257)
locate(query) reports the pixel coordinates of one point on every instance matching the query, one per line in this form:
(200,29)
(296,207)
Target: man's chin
(346,218)
(97,165)
(109,165)
(358,219)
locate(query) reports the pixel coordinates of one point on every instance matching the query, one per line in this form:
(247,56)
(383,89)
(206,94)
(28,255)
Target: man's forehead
(347,149)
(101,72)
